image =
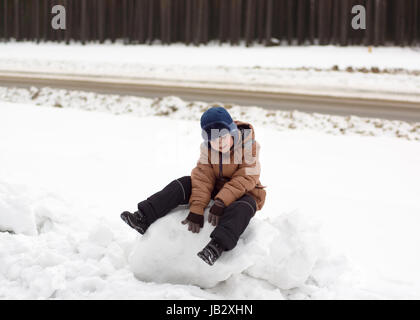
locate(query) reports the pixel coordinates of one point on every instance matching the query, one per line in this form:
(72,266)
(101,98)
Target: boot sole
(127,220)
(204,258)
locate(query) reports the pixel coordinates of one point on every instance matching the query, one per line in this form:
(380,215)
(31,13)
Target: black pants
(231,225)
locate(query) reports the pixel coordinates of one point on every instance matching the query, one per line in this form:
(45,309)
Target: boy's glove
(216,211)
(195,222)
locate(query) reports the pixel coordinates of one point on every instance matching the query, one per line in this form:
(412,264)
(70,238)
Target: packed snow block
(16,214)
(282,251)
(292,247)
(167,252)
(27,211)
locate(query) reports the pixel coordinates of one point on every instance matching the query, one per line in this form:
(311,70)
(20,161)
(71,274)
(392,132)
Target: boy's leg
(159,204)
(234,221)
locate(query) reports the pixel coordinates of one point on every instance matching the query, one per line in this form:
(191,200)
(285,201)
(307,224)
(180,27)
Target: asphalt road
(375,108)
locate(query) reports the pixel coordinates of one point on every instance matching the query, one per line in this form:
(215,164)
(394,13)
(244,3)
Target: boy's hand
(216,211)
(195,222)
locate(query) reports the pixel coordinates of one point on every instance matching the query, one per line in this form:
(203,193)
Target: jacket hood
(246,133)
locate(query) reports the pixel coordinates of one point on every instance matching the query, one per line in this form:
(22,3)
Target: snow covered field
(176,108)
(341,218)
(392,73)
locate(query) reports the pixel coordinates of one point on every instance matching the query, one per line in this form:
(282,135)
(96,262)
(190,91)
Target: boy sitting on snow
(228,171)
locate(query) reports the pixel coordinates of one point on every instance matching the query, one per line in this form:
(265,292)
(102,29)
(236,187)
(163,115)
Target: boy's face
(223,143)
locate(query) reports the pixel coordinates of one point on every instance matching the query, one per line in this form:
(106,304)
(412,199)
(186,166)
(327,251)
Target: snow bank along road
(393,109)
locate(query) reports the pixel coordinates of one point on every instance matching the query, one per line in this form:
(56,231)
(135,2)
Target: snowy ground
(341,218)
(392,73)
(176,108)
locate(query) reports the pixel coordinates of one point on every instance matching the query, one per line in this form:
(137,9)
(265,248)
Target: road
(375,108)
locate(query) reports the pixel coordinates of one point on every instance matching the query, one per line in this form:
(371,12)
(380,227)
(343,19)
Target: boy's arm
(202,182)
(245,177)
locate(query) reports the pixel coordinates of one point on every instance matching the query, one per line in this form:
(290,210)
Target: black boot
(136,220)
(211,252)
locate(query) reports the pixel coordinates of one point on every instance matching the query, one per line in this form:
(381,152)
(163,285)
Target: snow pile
(168,253)
(45,252)
(67,260)
(176,108)
(282,250)
(16,214)
(291,246)
(78,180)
(25,212)
(60,264)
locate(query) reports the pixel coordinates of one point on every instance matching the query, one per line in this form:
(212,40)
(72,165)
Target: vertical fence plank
(16,19)
(122,20)
(290,21)
(239,15)
(384,29)
(130,21)
(329,13)
(83,23)
(416,24)
(377,29)
(312,20)
(101,21)
(369,34)
(43,21)
(174,26)
(250,22)
(269,21)
(301,21)
(6,20)
(150,27)
(188,21)
(335,34)
(260,20)
(321,22)
(232,21)
(199,22)
(141,20)
(37,18)
(344,28)
(206,21)
(213,25)
(279,22)
(223,21)
(67,33)
(112,28)
(400,23)
(27,18)
(162,7)
(50,31)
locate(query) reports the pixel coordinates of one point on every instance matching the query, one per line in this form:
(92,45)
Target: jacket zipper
(220,165)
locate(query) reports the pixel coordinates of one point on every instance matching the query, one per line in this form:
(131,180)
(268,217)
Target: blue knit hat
(217,118)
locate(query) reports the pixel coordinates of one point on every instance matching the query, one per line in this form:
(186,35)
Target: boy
(228,171)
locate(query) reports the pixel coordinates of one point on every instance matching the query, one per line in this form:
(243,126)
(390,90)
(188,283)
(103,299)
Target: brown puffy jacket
(228,176)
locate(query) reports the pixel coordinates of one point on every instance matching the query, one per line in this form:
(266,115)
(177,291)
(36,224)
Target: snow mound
(24,211)
(16,214)
(282,250)
(292,249)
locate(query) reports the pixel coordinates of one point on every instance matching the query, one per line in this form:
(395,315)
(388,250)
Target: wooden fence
(269,22)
